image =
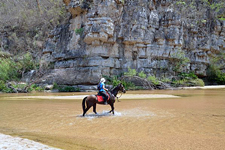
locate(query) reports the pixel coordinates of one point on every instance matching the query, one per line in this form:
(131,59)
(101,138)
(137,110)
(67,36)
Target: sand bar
(80,97)
(204,87)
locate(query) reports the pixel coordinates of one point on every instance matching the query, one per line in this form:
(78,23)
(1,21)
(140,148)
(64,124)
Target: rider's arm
(105,88)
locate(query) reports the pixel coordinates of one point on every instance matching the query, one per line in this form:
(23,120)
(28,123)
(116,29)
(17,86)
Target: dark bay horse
(91,100)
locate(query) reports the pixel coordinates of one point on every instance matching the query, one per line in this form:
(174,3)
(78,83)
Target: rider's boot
(105,102)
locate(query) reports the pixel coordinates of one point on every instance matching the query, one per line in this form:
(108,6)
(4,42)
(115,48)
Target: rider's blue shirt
(101,87)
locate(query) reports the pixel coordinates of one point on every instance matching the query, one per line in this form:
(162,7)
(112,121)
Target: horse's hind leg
(88,107)
(112,110)
(94,108)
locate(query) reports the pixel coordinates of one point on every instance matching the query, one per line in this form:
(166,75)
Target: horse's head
(121,88)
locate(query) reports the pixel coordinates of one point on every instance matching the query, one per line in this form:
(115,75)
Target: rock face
(108,36)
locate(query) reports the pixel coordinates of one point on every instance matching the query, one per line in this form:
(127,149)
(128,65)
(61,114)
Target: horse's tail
(83,103)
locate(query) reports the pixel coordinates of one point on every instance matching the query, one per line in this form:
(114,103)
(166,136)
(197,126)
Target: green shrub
(35,87)
(188,82)
(166,80)
(79,31)
(153,79)
(27,63)
(21,86)
(13,68)
(128,85)
(39,89)
(131,72)
(2,85)
(4,88)
(142,74)
(115,81)
(198,82)
(179,60)
(185,75)
(8,69)
(214,74)
(32,88)
(188,79)
(182,82)
(55,86)
(220,78)
(192,75)
(112,80)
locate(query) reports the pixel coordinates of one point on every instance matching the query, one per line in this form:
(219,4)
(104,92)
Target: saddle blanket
(100,98)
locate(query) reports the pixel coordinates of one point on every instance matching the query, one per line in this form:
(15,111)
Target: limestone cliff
(105,37)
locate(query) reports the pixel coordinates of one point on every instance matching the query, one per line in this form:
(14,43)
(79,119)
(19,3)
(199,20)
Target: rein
(112,91)
(119,96)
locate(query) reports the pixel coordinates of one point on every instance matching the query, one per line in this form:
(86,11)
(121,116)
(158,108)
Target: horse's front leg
(94,108)
(112,109)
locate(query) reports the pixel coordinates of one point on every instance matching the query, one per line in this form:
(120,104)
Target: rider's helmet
(102,80)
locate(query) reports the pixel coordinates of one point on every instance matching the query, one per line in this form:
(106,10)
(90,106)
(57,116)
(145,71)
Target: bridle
(118,89)
(121,93)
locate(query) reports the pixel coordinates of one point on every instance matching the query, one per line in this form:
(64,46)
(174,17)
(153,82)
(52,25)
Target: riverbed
(167,119)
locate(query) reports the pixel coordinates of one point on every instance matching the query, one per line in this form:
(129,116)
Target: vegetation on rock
(183,79)
(215,74)
(24,27)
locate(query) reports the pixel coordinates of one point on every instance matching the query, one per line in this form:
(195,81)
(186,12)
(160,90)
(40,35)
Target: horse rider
(102,90)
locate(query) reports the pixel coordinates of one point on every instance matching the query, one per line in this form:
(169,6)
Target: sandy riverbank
(8,142)
(204,87)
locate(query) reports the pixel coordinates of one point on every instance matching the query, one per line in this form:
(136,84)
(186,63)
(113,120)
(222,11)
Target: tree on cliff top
(201,13)
(24,24)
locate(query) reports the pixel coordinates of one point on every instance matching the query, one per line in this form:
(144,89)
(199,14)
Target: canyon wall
(106,37)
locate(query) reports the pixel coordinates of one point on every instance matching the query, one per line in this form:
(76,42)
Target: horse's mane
(114,91)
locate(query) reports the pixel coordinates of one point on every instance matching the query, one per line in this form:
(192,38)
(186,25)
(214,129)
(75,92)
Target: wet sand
(194,119)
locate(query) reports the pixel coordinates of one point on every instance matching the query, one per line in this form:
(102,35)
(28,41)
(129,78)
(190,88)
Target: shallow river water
(192,119)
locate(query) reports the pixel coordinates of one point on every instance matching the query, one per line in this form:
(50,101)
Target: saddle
(100,98)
